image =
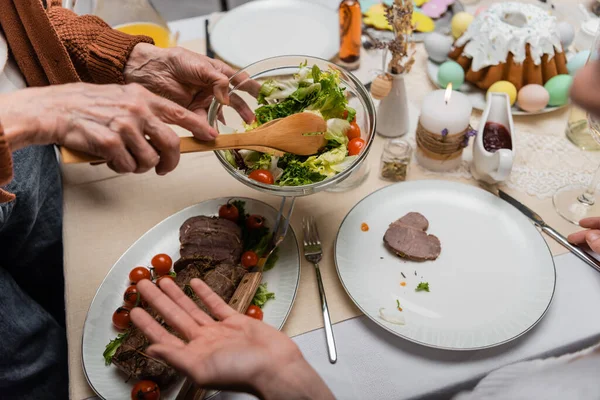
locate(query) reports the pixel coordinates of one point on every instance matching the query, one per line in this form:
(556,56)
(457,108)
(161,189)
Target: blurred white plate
(269,28)
(477,96)
(493,281)
(107,381)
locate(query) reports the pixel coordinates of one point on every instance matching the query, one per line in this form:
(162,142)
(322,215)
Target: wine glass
(577,202)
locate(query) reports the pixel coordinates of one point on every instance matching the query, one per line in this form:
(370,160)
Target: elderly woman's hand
(124,124)
(188,78)
(234,353)
(591,236)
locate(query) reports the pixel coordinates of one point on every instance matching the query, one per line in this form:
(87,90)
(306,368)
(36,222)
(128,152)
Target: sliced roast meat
(185,275)
(407,238)
(414,220)
(217,239)
(220,284)
(131,359)
(235,274)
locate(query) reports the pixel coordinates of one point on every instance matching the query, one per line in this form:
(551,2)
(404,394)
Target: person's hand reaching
(187,78)
(591,236)
(233,353)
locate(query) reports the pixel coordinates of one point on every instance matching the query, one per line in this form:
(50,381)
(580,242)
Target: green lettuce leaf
(330,162)
(262,296)
(296,173)
(112,346)
(336,131)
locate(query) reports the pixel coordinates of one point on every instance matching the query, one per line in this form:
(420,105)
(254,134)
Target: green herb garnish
(398,305)
(111,348)
(262,296)
(422,287)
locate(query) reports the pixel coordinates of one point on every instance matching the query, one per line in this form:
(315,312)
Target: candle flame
(448,93)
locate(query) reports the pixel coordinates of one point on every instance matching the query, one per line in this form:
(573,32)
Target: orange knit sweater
(52,45)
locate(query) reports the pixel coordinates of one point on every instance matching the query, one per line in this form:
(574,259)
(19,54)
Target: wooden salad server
(296,134)
(243,295)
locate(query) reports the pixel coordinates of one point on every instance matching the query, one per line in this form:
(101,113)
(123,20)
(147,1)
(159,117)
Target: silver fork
(313,252)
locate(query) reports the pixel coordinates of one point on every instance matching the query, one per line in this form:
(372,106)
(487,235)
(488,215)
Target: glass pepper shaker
(395,160)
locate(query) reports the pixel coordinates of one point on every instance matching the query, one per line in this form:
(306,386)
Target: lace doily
(543,165)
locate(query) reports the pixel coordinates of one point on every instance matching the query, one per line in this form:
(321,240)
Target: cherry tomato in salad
(255,312)
(230,212)
(121,319)
(355,146)
(249,259)
(255,222)
(262,175)
(354,131)
(131,296)
(162,278)
(139,273)
(162,264)
(345,116)
(145,390)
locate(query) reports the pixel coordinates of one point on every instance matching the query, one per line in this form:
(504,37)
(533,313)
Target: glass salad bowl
(244,91)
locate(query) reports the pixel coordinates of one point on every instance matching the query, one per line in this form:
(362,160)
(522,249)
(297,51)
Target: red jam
(496,137)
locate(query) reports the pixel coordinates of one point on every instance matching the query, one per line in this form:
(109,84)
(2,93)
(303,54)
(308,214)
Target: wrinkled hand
(591,236)
(110,121)
(187,78)
(235,353)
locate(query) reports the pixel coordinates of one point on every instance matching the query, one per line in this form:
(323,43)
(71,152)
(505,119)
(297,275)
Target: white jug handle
(505,163)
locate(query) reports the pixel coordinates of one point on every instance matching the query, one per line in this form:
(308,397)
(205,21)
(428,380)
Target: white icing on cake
(509,27)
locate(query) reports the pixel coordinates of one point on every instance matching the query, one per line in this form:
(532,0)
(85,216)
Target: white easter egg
(566,33)
(438,46)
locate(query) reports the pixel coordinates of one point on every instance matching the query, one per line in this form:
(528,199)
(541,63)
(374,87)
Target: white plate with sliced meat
(445,265)
(213,248)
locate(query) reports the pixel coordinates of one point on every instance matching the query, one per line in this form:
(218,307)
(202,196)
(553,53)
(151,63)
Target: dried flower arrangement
(403,51)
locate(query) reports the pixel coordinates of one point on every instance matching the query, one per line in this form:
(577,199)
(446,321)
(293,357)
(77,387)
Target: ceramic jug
(494,164)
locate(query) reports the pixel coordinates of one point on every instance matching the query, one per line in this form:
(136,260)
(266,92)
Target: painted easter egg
(533,98)
(460,23)
(480,10)
(419,3)
(558,87)
(505,87)
(451,72)
(435,8)
(566,33)
(578,61)
(438,46)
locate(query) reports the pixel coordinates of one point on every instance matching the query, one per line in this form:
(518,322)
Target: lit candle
(446,110)
(441,135)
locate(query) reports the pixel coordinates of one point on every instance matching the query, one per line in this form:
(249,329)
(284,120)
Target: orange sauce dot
(402,283)
(364,227)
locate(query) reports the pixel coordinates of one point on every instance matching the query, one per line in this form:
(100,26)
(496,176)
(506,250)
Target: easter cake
(514,42)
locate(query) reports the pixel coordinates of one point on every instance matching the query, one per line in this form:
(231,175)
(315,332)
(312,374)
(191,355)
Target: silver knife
(582,255)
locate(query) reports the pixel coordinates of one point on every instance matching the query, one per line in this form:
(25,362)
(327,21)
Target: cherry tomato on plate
(255,222)
(262,175)
(131,296)
(230,212)
(139,273)
(255,312)
(121,318)
(249,259)
(145,390)
(164,277)
(355,146)
(162,264)
(354,131)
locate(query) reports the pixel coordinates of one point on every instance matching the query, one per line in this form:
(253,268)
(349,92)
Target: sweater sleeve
(98,52)
(6,171)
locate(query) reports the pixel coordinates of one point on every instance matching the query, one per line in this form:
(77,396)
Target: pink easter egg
(434,8)
(480,10)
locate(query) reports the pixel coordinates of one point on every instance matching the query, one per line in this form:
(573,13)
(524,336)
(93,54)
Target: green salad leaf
(262,296)
(336,131)
(422,287)
(112,346)
(296,172)
(331,162)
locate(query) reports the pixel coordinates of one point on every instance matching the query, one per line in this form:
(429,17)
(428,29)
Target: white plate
(477,96)
(283,279)
(269,28)
(493,281)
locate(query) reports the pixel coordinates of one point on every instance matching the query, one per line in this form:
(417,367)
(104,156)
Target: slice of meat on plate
(407,238)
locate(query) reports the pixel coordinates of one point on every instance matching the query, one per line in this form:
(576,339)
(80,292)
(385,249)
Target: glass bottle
(395,160)
(350,34)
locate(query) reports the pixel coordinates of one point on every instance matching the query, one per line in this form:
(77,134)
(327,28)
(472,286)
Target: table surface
(112,211)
